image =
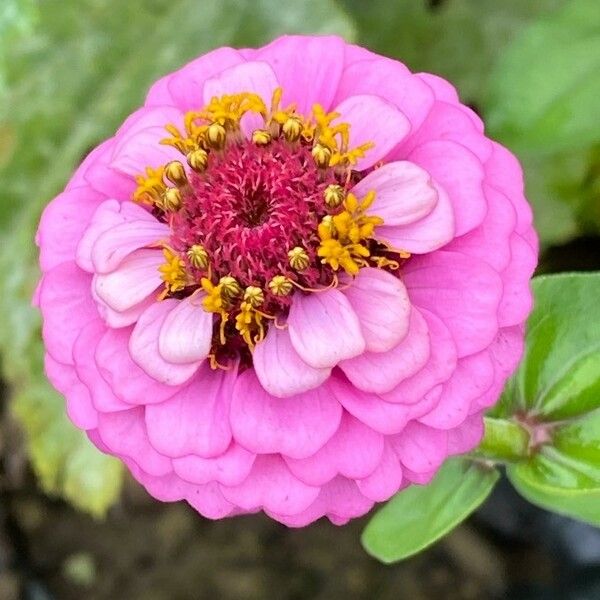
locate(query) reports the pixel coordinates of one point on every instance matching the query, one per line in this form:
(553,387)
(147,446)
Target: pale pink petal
(392,81)
(185,86)
(108,215)
(372,119)
(67,307)
(461,175)
(195,420)
(62,224)
(125,434)
(404,192)
(473,377)
(324,329)
(307,68)
(128,381)
(467,436)
(271,485)
(255,77)
(143,346)
(296,426)
(114,318)
(383,308)
(420,448)
(354,452)
(132,282)
(385,480)
(425,235)
(114,245)
(229,468)
(186,334)
(381,372)
(280,369)
(463,291)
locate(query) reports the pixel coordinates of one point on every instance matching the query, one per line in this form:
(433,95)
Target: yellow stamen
(176,174)
(198,256)
(261,137)
(230,287)
(254,296)
(280,285)
(298,258)
(322,155)
(173,273)
(216,136)
(198,160)
(334,195)
(170,200)
(151,186)
(292,128)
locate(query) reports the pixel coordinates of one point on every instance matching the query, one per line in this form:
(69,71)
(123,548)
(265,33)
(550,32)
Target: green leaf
(420,515)
(545,88)
(85,65)
(555,395)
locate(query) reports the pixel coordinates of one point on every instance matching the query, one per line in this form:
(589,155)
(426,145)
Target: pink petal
(420,448)
(115,319)
(186,334)
(463,291)
(195,420)
(256,77)
(63,223)
(381,372)
(307,68)
(473,377)
(102,396)
(143,346)
(280,369)
(132,282)
(385,480)
(467,436)
(324,329)
(185,86)
(354,452)
(383,308)
(392,81)
(229,468)
(296,426)
(385,417)
(461,175)
(125,434)
(114,245)
(425,235)
(438,369)
(442,88)
(79,403)
(404,192)
(137,143)
(271,485)
(372,119)
(126,379)
(67,307)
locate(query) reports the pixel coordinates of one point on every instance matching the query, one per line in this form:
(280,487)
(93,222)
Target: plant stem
(504,441)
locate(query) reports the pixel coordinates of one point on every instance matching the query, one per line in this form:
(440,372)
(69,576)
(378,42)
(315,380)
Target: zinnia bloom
(292,281)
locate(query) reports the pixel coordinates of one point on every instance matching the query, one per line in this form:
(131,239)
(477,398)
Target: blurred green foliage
(71,70)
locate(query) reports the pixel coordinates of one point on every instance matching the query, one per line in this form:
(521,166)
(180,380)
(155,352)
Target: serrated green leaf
(71,81)
(420,515)
(544,90)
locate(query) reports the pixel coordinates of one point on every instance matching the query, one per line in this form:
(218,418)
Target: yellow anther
(254,296)
(334,195)
(216,136)
(384,262)
(230,288)
(322,155)
(404,254)
(280,285)
(171,200)
(151,186)
(198,256)
(249,324)
(292,128)
(298,258)
(176,174)
(213,301)
(261,137)
(172,273)
(198,160)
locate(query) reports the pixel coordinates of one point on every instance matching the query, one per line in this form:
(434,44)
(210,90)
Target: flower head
(292,281)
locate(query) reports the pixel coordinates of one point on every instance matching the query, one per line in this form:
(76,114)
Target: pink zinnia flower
(292,282)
